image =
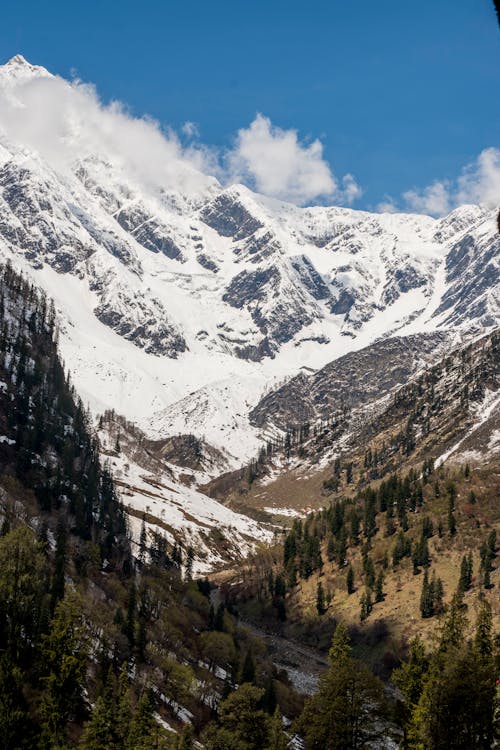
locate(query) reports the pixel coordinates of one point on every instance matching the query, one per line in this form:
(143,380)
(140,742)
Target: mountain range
(191,308)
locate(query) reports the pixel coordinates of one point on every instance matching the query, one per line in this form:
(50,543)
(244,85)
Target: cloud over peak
(66,121)
(276,163)
(478,182)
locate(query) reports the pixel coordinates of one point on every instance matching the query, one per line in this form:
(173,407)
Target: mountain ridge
(202,297)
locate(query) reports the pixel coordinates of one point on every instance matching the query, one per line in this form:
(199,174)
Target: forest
(109,644)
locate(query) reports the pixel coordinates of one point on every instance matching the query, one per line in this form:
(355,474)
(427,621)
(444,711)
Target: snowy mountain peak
(180,300)
(18,67)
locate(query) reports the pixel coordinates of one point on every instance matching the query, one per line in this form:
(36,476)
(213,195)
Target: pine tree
(16,729)
(129,625)
(347,709)
(277,739)
(248,669)
(426,597)
(409,678)
(438,595)
(350,580)
(142,725)
(64,655)
(99,732)
(456,706)
(242,723)
(379,587)
(320,599)
(57,591)
(123,707)
(186,738)
(366,605)
(142,540)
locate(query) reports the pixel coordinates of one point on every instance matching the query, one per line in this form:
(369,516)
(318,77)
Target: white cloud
(66,121)
(276,163)
(479,182)
(190,129)
(387,206)
(351,191)
(434,199)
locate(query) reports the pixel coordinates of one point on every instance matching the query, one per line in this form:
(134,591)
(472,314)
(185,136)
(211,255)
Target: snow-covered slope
(164,497)
(181,302)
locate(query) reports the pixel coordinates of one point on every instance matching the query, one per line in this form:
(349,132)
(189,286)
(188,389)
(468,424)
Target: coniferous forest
(106,643)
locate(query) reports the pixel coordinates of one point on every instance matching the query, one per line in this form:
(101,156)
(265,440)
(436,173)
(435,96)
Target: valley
(249,452)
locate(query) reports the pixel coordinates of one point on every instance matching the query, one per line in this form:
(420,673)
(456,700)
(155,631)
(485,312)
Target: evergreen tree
(379,587)
(64,655)
(347,709)
(320,599)
(142,725)
(57,591)
(465,579)
(456,707)
(123,708)
(188,574)
(16,728)
(426,597)
(243,725)
(366,605)
(99,732)
(186,738)
(248,668)
(143,540)
(350,580)
(409,678)
(277,739)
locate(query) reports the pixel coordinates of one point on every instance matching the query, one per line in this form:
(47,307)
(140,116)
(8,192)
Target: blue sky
(400,94)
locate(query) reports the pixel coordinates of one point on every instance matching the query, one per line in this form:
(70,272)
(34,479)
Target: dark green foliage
(431,598)
(142,725)
(64,652)
(350,580)
(456,695)
(44,417)
(348,709)
(186,738)
(379,587)
(242,724)
(369,571)
(320,599)
(402,548)
(366,605)
(420,555)
(248,668)
(487,554)
(409,679)
(466,569)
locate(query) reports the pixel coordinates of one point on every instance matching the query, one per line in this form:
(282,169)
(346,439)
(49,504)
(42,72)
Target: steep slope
(199,297)
(350,381)
(158,490)
(84,612)
(450,412)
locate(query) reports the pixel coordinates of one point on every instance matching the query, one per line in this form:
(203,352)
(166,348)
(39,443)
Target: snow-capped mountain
(182,301)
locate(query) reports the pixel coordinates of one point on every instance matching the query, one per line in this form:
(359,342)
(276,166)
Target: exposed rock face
(35,218)
(355,379)
(229,217)
(472,273)
(146,326)
(148,231)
